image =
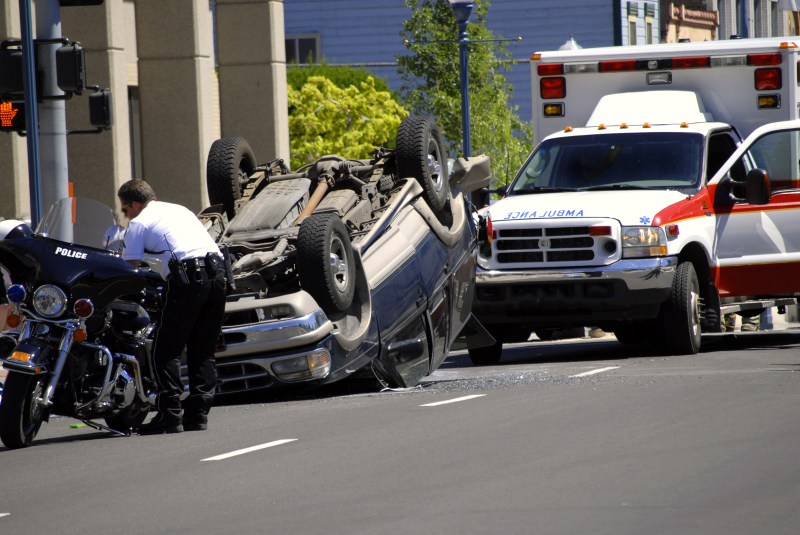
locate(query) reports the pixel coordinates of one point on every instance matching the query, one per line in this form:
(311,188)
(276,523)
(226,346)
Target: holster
(230,284)
(178,275)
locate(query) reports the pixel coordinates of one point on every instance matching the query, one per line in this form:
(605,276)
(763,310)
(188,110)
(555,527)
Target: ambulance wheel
(681,313)
(503,334)
(421,154)
(325,262)
(633,333)
(229,166)
(486,355)
(712,318)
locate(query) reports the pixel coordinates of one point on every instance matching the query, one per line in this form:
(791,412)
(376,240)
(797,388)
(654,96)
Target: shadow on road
(583,350)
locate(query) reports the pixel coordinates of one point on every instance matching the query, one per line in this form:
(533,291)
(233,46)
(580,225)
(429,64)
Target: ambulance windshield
(661,160)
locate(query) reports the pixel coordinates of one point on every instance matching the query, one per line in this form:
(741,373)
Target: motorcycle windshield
(81,221)
(70,250)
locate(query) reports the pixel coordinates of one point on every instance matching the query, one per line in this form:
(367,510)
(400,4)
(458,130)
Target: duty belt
(193,264)
(203,265)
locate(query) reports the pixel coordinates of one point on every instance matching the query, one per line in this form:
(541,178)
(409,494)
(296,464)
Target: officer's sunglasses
(125,207)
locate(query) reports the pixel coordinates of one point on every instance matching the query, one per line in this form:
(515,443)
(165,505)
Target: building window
(633,14)
(759,22)
(302,48)
(742,29)
(649,20)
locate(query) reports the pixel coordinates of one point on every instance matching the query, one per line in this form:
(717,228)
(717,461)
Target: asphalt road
(562,438)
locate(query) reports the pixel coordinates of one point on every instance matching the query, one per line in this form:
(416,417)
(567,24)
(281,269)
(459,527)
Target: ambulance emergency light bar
(553,85)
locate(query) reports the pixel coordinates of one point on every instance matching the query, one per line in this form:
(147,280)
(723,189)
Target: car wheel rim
(434,165)
(338,265)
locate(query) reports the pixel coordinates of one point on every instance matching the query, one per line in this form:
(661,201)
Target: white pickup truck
(641,210)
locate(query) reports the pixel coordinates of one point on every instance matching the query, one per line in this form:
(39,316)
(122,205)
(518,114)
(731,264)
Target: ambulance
(663,192)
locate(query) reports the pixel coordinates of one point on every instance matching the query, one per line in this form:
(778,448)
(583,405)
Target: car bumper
(627,290)
(273,342)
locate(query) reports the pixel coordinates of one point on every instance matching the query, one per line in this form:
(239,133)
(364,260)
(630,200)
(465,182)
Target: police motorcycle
(79,343)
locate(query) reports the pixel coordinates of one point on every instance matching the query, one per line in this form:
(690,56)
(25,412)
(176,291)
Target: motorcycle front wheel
(20,415)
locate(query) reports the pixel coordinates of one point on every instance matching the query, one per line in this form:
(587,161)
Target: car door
(436,265)
(756,248)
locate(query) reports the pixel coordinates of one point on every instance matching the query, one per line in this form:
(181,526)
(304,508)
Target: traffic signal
(11,70)
(100,109)
(12,116)
(71,68)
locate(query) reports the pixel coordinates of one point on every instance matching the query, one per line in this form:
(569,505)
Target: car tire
(421,154)
(681,313)
(325,262)
(229,166)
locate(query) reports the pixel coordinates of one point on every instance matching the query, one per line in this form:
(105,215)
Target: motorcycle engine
(124,389)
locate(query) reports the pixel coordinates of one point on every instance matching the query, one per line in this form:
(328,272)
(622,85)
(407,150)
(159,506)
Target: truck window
(720,147)
(778,153)
(659,160)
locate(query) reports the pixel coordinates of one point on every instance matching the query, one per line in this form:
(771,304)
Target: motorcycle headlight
(49,301)
(640,242)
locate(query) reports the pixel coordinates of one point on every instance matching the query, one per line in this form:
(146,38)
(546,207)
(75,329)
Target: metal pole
(53,117)
(31,111)
(463,57)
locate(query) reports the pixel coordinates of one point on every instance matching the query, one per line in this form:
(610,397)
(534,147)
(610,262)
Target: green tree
(341,76)
(431,84)
(351,121)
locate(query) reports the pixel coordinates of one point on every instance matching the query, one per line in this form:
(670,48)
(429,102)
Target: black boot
(195,422)
(162,422)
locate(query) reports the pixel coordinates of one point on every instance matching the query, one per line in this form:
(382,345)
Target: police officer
(193,308)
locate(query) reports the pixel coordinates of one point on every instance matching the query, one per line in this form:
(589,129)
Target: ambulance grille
(545,245)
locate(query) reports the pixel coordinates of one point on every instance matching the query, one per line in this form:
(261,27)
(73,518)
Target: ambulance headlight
(641,242)
(49,301)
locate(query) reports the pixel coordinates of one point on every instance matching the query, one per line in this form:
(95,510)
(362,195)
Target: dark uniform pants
(192,318)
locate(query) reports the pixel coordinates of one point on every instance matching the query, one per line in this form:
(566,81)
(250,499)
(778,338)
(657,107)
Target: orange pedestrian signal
(12,116)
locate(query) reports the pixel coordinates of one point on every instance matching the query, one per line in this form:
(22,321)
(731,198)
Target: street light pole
(31,111)
(462,9)
(52,112)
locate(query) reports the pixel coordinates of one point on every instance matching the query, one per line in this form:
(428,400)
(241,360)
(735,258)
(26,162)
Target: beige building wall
(14,185)
(682,23)
(99,163)
(163,52)
(252,75)
(175,51)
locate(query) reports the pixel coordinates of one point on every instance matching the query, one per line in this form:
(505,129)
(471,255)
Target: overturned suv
(343,266)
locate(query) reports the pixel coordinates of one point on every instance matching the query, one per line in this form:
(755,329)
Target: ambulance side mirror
(757,187)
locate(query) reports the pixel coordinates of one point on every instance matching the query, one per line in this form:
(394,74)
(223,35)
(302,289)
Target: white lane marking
(456,400)
(249,450)
(592,372)
(4,514)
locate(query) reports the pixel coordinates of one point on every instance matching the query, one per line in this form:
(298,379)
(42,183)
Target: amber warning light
(12,116)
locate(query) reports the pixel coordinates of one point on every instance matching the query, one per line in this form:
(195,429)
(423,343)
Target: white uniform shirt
(162,229)
(113,239)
